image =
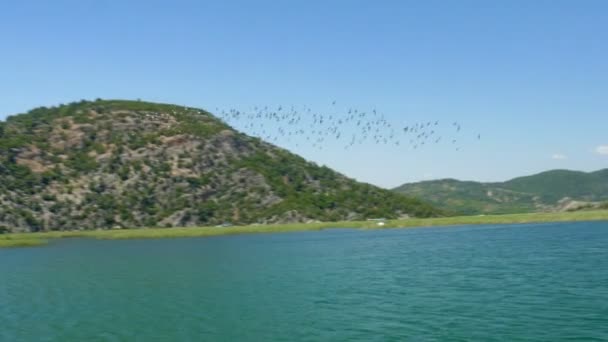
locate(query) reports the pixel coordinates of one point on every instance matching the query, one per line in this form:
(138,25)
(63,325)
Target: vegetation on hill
(552,186)
(555,190)
(119,164)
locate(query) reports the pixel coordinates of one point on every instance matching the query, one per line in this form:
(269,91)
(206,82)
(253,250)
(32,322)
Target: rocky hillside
(556,190)
(110,164)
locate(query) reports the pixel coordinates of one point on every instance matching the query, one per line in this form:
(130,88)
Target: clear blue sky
(531,76)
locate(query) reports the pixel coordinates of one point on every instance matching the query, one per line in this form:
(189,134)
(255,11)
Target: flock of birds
(346,127)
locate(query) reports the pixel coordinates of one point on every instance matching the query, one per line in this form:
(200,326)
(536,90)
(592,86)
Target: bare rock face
(125,164)
(568,204)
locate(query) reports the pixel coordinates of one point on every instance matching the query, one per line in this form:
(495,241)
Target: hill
(547,191)
(109,164)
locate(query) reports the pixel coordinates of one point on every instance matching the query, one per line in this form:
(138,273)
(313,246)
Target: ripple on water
(544,282)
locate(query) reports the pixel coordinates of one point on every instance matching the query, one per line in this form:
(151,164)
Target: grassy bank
(19,242)
(35,239)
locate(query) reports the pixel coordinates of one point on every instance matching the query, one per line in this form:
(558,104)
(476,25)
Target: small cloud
(602,149)
(559,156)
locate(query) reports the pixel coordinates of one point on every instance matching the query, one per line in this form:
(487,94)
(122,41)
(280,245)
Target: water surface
(534,282)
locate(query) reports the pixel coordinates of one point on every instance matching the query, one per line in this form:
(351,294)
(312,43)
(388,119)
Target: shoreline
(43,238)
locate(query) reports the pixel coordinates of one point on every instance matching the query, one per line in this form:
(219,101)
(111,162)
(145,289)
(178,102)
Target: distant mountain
(107,164)
(547,191)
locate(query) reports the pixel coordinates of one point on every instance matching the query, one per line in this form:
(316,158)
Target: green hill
(554,185)
(547,191)
(108,164)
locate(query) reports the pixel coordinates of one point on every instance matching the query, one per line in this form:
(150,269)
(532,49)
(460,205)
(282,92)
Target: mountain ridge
(126,164)
(551,190)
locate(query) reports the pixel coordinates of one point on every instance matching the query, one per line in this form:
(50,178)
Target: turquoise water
(546,282)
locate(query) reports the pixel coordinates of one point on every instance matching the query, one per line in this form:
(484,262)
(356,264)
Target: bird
(295,125)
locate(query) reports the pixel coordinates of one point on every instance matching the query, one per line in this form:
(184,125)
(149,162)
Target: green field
(36,239)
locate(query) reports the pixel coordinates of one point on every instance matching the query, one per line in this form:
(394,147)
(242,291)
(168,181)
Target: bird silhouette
(302,126)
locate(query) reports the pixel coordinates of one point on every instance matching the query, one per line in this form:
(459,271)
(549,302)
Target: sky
(530,76)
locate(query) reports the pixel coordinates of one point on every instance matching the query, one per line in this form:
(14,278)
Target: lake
(532,282)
